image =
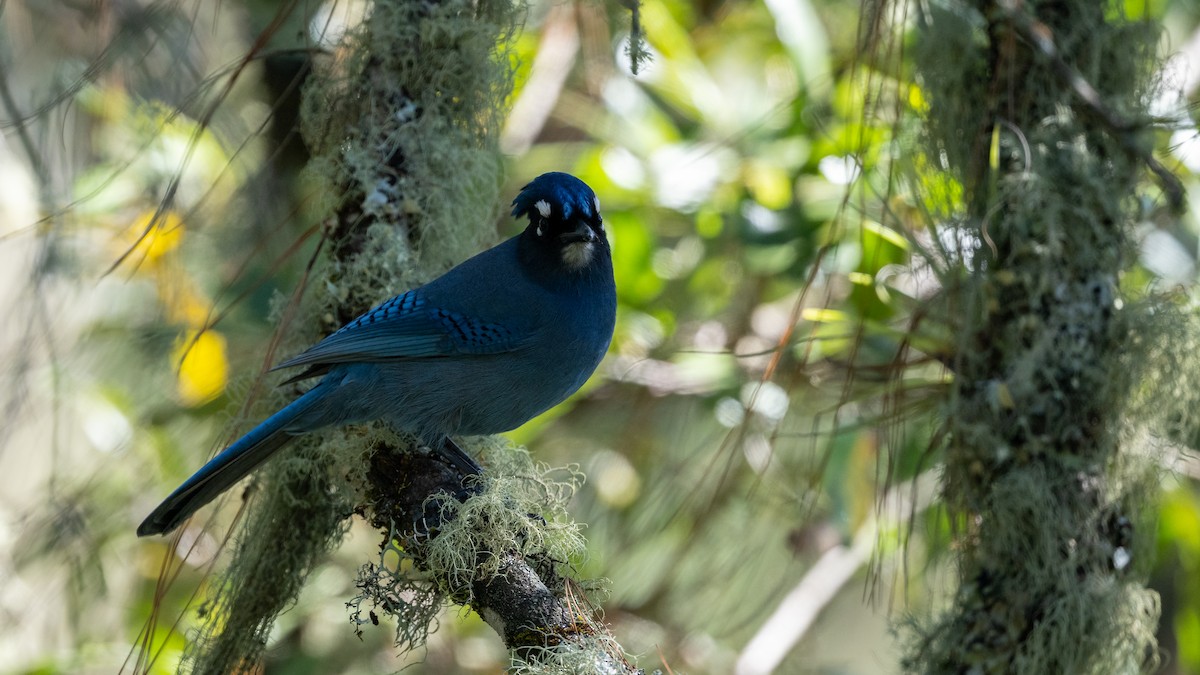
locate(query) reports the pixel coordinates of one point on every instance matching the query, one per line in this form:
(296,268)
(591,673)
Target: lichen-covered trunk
(401,120)
(1036,109)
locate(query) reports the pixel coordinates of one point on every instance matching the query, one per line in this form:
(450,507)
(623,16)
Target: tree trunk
(1037,110)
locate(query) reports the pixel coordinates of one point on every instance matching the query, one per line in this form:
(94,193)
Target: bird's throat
(577,255)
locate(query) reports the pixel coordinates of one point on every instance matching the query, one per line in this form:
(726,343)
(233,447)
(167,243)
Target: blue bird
(492,343)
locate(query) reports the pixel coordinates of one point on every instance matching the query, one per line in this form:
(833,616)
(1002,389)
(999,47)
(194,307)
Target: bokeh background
(760,487)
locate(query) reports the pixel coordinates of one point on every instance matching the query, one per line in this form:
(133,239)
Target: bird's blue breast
(560,331)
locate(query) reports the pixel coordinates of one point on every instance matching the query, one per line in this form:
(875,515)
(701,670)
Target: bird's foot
(458,458)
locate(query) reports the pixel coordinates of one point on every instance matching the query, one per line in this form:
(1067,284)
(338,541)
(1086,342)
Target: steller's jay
(497,340)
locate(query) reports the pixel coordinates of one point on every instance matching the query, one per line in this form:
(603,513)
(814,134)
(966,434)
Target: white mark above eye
(539,228)
(596,201)
(543,207)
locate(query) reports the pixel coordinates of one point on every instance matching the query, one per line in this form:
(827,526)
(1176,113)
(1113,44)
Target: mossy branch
(494,552)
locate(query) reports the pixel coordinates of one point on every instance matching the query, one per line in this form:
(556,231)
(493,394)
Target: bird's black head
(564,216)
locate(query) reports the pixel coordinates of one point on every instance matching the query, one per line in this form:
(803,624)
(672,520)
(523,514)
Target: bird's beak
(582,233)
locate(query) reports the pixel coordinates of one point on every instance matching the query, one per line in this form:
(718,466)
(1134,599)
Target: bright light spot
(623,167)
(1178,75)
(196,547)
(766,398)
(617,482)
(771,321)
(729,412)
(648,69)
(757,450)
(1185,144)
(645,332)
(624,98)
(171,150)
(1121,558)
(18,202)
(1163,255)
(710,336)
(685,176)
(843,259)
(960,242)
(106,428)
(335,18)
(673,263)
(838,170)
(753,352)
(762,219)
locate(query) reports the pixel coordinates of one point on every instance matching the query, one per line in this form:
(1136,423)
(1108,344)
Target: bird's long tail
(227,468)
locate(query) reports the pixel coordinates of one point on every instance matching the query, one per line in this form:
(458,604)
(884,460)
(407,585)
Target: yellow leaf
(204,370)
(152,243)
(823,315)
(770,185)
(916,99)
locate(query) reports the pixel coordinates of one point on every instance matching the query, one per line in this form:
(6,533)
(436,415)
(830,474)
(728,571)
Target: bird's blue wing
(407,326)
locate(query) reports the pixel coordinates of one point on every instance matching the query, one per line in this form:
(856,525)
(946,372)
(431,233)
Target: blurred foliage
(770,393)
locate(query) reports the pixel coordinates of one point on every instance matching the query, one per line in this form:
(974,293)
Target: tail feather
(227,468)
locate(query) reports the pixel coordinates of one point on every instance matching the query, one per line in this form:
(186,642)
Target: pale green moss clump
(521,511)
(574,659)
